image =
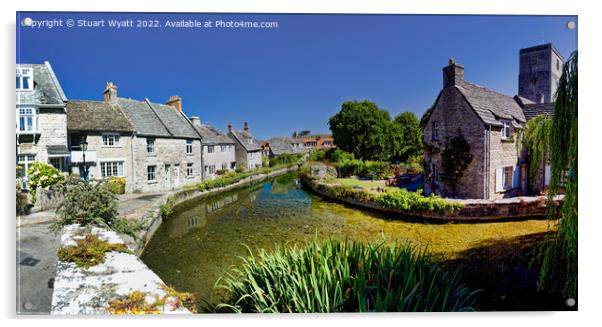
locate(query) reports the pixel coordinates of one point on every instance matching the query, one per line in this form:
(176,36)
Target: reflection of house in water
(197,215)
(283,185)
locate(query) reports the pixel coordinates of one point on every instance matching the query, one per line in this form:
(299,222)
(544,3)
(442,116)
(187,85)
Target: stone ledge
(88,291)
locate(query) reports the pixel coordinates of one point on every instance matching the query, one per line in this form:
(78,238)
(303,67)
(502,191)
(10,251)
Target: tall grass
(343,276)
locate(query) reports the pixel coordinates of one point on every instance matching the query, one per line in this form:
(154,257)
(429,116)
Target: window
(223,148)
(233,165)
(150,145)
(110,139)
(224,165)
(507,178)
(435,131)
(26,121)
(24,160)
(210,169)
(151,173)
(188,146)
(505,130)
(24,79)
(111,168)
(189,170)
(210,149)
(57,163)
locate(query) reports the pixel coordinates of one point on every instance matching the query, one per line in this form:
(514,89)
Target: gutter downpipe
(488,163)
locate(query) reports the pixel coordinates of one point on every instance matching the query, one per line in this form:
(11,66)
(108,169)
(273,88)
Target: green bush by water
(405,200)
(343,276)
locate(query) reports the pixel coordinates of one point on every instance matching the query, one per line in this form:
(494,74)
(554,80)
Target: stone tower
(539,72)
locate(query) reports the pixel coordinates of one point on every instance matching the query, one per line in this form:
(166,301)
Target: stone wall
(52,126)
(81,291)
(502,153)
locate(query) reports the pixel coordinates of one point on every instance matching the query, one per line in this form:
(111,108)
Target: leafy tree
(455,158)
(408,136)
(304,133)
(294,135)
(360,127)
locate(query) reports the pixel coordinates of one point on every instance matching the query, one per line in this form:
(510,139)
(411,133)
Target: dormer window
(24,79)
(505,130)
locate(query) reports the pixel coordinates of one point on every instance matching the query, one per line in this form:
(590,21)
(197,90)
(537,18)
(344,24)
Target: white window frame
(21,73)
(224,165)
(150,145)
(112,166)
(507,178)
(26,112)
(189,143)
(210,149)
(24,160)
(210,169)
(107,138)
(506,134)
(190,170)
(223,148)
(154,173)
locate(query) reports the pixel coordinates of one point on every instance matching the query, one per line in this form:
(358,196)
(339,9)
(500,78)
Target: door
(176,175)
(167,176)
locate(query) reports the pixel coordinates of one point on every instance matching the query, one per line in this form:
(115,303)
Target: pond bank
(474,210)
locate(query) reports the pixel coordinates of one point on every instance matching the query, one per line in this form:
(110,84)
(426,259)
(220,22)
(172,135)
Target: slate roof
(86,115)
(174,121)
(536,109)
(57,150)
(491,106)
(212,135)
(46,87)
(243,138)
(280,145)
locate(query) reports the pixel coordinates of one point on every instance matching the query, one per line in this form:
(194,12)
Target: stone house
(318,142)
(159,150)
(41,120)
(248,150)
(219,154)
(489,121)
(283,145)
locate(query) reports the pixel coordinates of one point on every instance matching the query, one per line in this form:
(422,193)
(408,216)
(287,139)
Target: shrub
(86,204)
(414,202)
(343,276)
(116,184)
(135,302)
(89,251)
(167,209)
(240,170)
(285,159)
(22,203)
(221,172)
(41,175)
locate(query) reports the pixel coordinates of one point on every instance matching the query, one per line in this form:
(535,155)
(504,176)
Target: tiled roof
(280,145)
(246,140)
(46,88)
(536,109)
(96,116)
(176,123)
(489,105)
(212,135)
(522,100)
(144,120)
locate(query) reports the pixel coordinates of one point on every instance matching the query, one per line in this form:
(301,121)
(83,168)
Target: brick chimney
(195,120)
(453,73)
(110,93)
(175,102)
(229,127)
(246,127)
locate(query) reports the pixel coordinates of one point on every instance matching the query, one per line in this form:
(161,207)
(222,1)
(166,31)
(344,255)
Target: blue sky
(293,77)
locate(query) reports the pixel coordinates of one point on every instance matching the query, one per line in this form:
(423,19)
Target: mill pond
(206,237)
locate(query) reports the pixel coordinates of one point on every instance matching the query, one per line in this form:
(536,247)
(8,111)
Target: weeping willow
(559,255)
(536,139)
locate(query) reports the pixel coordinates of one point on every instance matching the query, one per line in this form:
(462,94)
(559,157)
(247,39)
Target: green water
(206,237)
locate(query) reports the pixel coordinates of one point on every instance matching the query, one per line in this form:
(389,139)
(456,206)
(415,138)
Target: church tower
(539,72)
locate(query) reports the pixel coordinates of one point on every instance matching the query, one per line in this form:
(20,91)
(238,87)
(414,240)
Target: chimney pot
(110,93)
(195,120)
(175,101)
(453,73)
(229,127)
(246,127)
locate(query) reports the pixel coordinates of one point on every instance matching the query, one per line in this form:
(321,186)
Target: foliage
(166,209)
(348,192)
(407,137)
(559,255)
(285,159)
(22,204)
(407,201)
(265,161)
(318,155)
(127,227)
(455,158)
(116,184)
(363,129)
(337,155)
(240,170)
(19,171)
(535,138)
(135,302)
(86,204)
(221,172)
(41,175)
(89,251)
(344,276)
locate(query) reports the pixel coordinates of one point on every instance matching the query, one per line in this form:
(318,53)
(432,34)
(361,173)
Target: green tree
(303,133)
(360,127)
(408,136)
(455,158)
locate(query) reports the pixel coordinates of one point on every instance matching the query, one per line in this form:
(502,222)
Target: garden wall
(474,210)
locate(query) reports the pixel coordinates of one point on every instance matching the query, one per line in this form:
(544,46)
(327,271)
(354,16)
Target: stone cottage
(248,149)
(154,146)
(219,154)
(488,121)
(41,121)
(283,145)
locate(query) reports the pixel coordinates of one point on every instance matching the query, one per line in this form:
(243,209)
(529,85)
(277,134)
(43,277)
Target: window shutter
(516,177)
(499,183)
(547,175)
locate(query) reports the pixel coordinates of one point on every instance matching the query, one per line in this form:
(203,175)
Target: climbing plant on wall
(455,158)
